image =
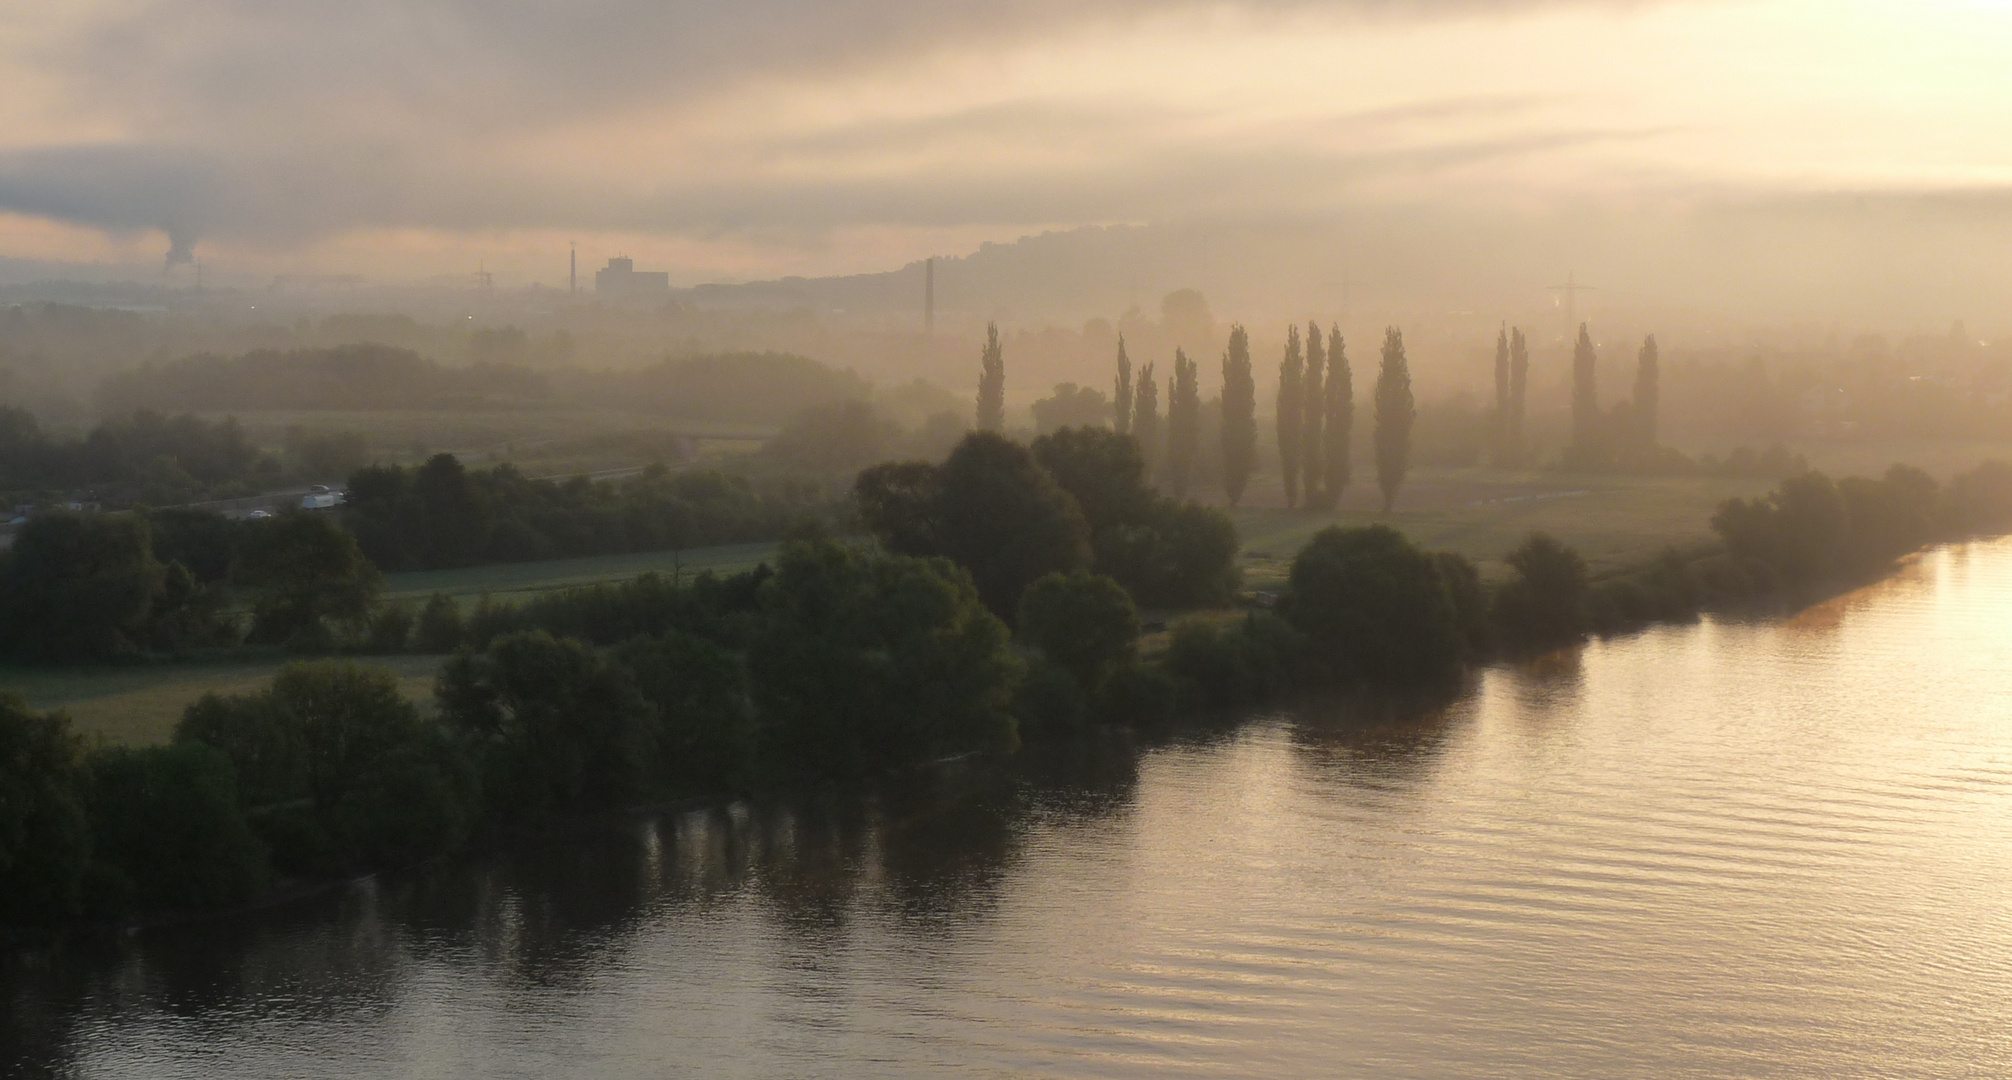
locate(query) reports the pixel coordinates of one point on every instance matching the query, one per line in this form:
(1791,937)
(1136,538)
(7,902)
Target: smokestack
(929,296)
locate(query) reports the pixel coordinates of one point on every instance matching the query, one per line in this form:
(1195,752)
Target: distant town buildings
(620,280)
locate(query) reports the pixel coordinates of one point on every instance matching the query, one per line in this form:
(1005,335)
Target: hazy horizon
(1729,158)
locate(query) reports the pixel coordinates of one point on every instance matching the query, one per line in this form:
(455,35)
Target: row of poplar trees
(1627,433)
(1315,418)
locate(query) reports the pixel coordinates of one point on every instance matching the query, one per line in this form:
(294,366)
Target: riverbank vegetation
(842,660)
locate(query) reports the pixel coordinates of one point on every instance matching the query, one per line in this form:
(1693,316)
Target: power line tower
(1572,289)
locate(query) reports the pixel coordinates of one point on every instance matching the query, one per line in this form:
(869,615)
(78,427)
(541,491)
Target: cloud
(276,122)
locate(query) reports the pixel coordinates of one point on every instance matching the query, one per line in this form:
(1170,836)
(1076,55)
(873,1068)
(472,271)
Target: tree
(1184,423)
(77,587)
(305,574)
(1083,622)
(1239,416)
(1502,422)
(990,507)
(1519,384)
(705,730)
(1394,415)
(866,661)
(169,831)
(1340,416)
(1585,400)
(342,767)
(1163,552)
(1070,406)
(457,521)
(440,628)
(837,437)
(1291,417)
(557,727)
(45,838)
(1545,604)
(1648,378)
(992,383)
(1121,400)
(1146,417)
(1374,608)
(1313,459)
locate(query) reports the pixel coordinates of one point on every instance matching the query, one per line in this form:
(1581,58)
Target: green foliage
(1340,414)
(1519,385)
(77,587)
(1313,430)
(1586,445)
(1048,701)
(442,515)
(1138,695)
(992,383)
(440,628)
(1979,501)
(1070,406)
(339,768)
(991,508)
(308,578)
(1239,416)
(169,831)
(186,614)
(1215,666)
(45,838)
(867,661)
(1395,413)
(840,437)
(556,727)
(160,459)
(1121,400)
(203,541)
(1163,552)
(390,630)
(1374,608)
(1291,414)
(1184,424)
(1470,601)
(705,733)
(1083,622)
(1146,417)
(1545,605)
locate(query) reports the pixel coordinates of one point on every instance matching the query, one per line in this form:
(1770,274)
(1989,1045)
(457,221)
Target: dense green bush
(1083,622)
(45,837)
(1374,607)
(1217,665)
(1545,604)
(78,587)
(866,661)
(442,514)
(705,733)
(440,628)
(556,728)
(309,582)
(169,831)
(338,768)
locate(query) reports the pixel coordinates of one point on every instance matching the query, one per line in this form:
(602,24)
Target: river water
(1775,849)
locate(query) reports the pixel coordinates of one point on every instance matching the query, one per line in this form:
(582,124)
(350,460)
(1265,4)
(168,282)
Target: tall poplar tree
(1239,416)
(1291,415)
(1395,411)
(1312,461)
(1184,423)
(1648,390)
(1585,399)
(1340,415)
(1121,401)
(1146,418)
(1519,385)
(992,383)
(1502,427)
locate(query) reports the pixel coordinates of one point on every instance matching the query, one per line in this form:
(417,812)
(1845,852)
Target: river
(1763,849)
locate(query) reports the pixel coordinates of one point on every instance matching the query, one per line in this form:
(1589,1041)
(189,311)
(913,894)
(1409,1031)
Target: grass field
(1480,513)
(1484,513)
(514,581)
(138,705)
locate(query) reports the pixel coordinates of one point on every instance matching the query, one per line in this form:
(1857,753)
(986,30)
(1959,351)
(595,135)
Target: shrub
(1545,604)
(169,830)
(440,628)
(1373,607)
(705,734)
(45,839)
(1082,622)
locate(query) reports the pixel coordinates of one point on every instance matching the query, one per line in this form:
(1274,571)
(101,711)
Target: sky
(757,138)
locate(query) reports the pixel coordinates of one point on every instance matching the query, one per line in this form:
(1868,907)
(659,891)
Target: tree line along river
(1774,848)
